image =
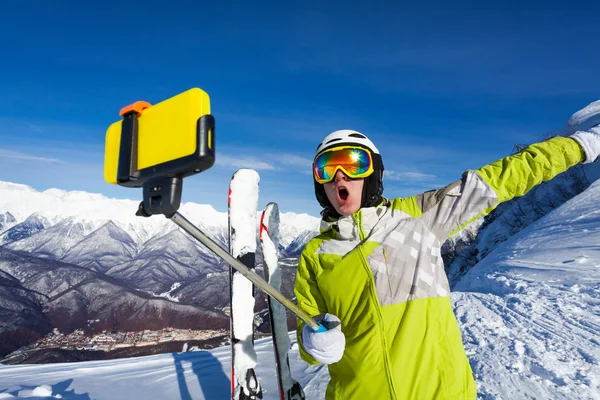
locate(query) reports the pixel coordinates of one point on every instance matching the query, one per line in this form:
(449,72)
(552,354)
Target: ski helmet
(373,186)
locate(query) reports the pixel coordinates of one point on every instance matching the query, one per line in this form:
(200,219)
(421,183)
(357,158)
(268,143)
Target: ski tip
(269,223)
(245,173)
(270,213)
(271,208)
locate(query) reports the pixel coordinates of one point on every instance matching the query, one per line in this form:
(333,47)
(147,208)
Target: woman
(375,277)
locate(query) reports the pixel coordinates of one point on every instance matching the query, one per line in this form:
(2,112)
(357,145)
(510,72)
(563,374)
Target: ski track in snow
(522,348)
(530,311)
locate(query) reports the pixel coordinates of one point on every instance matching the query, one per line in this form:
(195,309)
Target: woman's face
(345,194)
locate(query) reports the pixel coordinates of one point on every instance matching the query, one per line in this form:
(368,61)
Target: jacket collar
(349,227)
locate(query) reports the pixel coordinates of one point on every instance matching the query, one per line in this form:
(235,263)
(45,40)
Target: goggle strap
(377,161)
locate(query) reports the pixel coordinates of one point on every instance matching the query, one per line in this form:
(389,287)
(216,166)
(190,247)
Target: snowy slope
(530,311)
(192,375)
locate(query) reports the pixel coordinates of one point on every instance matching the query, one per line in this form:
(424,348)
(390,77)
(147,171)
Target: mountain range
(73,260)
(68,258)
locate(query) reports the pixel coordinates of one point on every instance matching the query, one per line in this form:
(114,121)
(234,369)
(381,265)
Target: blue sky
(438,89)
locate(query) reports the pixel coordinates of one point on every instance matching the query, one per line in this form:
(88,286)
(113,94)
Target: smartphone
(173,138)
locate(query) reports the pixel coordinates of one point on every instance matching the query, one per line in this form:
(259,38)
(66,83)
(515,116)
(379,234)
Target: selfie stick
(162,187)
(238,265)
(165,206)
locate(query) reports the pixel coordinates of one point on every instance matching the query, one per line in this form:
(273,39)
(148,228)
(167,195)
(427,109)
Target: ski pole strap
(252,276)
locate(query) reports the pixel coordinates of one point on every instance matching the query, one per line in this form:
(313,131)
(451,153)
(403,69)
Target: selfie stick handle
(251,275)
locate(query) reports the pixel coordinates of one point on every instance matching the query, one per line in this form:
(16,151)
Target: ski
(242,210)
(289,389)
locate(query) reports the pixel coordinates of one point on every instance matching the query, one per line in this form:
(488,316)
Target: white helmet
(346,136)
(373,187)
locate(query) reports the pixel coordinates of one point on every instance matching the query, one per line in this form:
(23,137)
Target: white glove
(325,347)
(590,141)
(584,127)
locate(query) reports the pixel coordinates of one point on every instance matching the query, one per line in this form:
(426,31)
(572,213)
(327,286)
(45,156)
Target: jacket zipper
(375,299)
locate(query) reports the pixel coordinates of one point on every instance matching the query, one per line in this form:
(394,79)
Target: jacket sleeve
(308,296)
(447,210)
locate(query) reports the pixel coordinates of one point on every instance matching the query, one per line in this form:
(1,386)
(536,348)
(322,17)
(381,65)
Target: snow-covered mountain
(104,235)
(529,315)
(102,249)
(32,225)
(19,202)
(93,257)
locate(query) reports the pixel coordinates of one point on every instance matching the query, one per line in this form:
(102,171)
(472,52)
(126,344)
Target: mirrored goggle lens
(355,162)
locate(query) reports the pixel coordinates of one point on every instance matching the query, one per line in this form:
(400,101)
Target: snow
(167,295)
(243,193)
(43,391)
(583,119)
(269,242)
(292,225)
(529,313)
(193,375)
(530,310)
(242,306)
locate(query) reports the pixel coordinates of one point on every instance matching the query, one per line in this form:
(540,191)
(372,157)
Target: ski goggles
(355,162)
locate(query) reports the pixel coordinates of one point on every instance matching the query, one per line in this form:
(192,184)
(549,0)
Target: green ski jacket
(380,271)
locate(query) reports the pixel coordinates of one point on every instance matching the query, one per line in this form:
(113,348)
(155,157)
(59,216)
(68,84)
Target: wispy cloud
(408,176)
(243,162)
(27,157)
(290,159)
(243,158)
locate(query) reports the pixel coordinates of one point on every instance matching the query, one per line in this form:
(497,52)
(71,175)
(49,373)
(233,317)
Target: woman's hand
(590,142)
(584,127)
(325,347)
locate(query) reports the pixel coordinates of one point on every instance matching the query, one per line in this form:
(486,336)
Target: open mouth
(343,193)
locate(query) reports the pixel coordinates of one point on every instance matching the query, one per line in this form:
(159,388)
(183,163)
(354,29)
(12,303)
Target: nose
(339,176)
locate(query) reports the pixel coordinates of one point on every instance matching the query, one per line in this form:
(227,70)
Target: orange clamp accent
(136,107)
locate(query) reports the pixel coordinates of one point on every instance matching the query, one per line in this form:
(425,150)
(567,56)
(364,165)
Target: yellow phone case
(167,131)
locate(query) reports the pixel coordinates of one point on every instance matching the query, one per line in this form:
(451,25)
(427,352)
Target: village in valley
(107,341)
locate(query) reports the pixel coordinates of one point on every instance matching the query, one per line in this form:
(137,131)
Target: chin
(347,210)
